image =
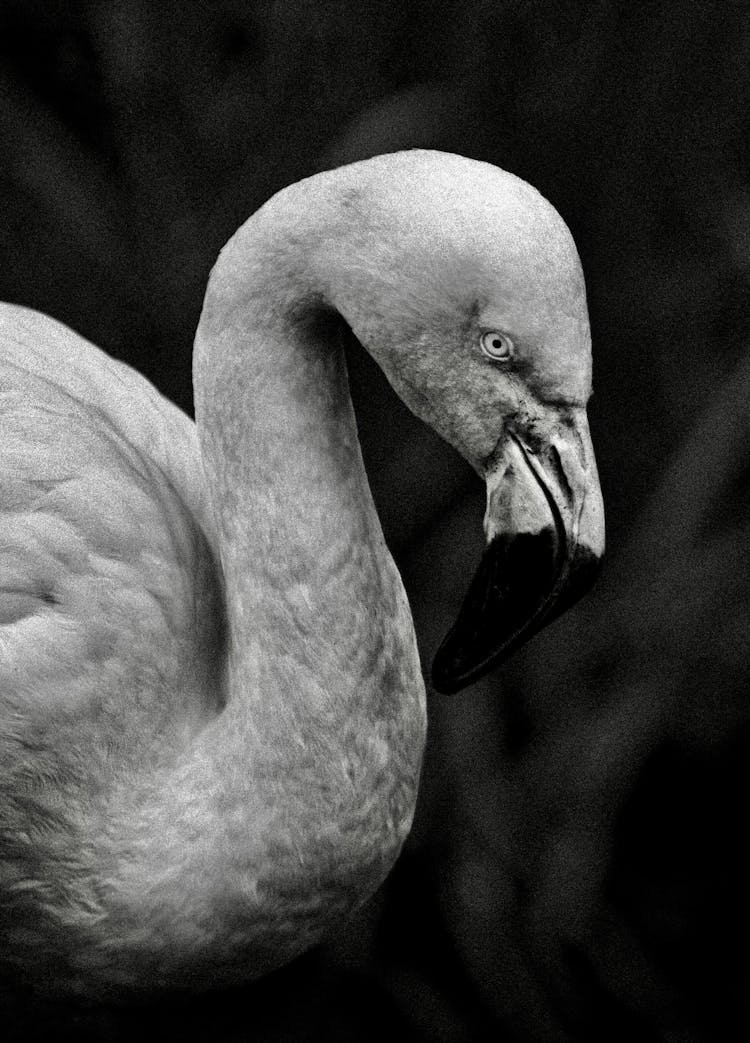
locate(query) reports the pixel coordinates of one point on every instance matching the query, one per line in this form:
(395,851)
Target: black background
(576,869)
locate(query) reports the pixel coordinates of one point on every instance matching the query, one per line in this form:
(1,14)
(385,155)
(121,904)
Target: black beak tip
(501,614)
(454,669)
(447,675)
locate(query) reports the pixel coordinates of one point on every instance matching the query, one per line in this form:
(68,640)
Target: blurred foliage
(576,868)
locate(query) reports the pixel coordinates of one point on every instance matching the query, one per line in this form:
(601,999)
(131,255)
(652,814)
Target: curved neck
(319,748)
(301,546)
(291,805)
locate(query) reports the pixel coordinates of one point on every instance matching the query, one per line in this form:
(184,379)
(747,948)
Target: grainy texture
(212,701)
(136,138)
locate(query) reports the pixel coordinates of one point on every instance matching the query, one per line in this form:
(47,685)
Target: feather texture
(212,712)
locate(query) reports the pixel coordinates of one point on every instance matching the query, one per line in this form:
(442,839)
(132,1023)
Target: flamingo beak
(545,540)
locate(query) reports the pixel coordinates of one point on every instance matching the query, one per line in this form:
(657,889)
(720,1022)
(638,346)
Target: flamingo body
(212,711)
(112,604)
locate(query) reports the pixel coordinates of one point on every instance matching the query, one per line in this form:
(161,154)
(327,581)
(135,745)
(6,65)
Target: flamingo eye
(497,346)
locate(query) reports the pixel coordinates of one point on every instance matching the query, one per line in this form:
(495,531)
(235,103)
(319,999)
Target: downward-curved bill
(545,531)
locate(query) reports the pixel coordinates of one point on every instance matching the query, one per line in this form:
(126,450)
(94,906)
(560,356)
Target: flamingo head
(465,285)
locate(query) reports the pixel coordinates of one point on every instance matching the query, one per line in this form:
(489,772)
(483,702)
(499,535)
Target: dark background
(576,870)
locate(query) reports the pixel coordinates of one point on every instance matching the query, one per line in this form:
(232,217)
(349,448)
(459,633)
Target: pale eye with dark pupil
(497,346)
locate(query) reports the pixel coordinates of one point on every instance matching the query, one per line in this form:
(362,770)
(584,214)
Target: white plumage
(211,707)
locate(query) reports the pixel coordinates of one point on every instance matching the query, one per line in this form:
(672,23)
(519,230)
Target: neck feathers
(323,732)
(316,605)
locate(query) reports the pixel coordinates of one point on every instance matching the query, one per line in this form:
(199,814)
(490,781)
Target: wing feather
(110,599)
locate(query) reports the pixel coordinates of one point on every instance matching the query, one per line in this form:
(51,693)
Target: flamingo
(212,705)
